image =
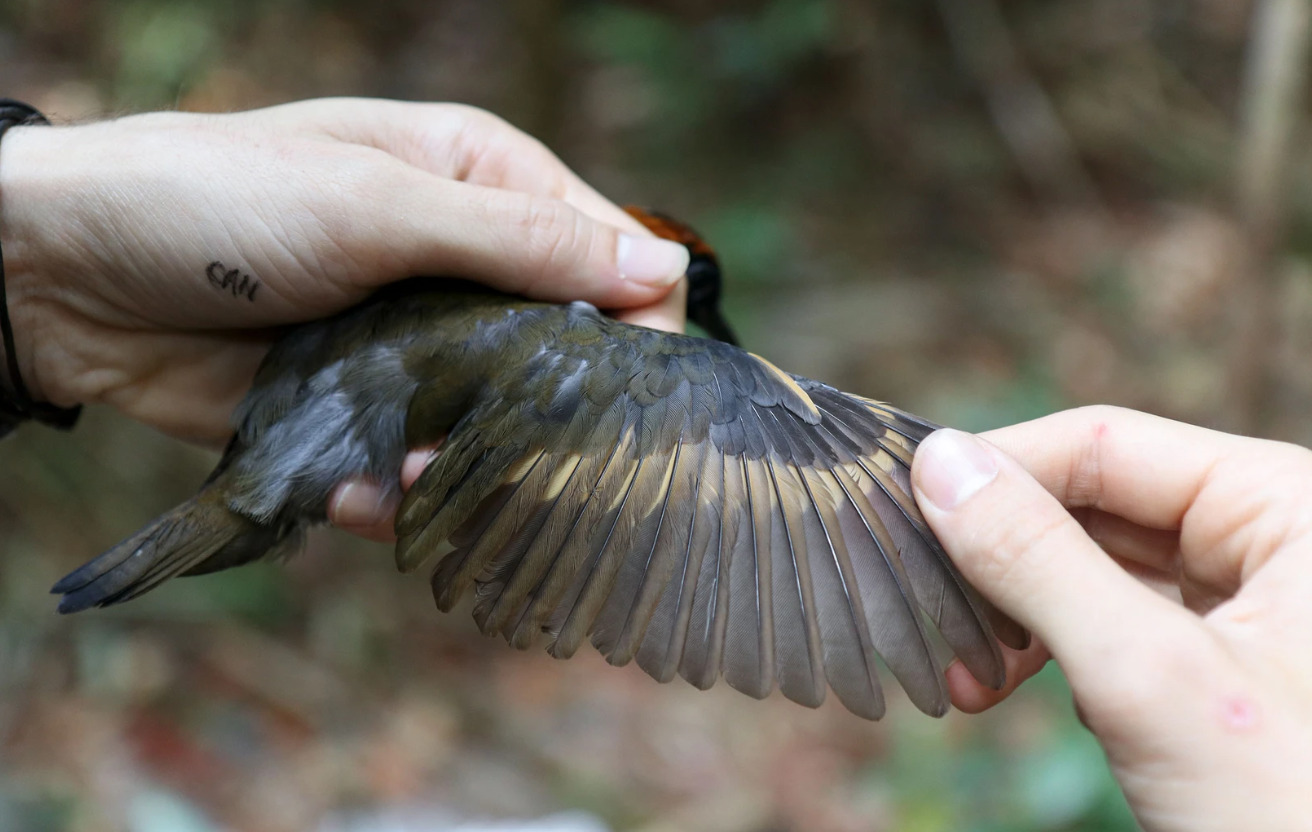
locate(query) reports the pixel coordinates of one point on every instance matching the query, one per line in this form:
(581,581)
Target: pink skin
(1239,714)
(970,696)
(1166,569)
(359,507)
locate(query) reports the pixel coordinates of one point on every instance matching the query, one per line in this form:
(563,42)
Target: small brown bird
(676,500)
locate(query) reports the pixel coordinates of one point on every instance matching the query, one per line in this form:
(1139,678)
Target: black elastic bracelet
(17,405)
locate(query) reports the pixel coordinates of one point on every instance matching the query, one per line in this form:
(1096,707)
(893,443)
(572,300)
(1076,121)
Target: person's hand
(149,259)
(1205,708)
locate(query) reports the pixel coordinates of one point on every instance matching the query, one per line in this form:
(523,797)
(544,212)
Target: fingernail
(359,505)
(650,260)
(953,467)
(414,466)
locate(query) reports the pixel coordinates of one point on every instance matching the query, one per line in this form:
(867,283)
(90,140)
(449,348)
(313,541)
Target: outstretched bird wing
(687,504)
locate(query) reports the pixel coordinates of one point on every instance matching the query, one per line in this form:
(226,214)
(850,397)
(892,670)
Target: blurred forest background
(983,210)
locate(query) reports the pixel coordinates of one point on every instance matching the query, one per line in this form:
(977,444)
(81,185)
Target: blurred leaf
(698,72)
(626,34)
(1029,396)
(258,593)
(1061,783)
(752,241)
(162,46)
(760,49)
(37,810)
(661,50)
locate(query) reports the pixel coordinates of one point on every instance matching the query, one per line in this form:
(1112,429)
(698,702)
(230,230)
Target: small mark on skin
(231,280)
(1239,714)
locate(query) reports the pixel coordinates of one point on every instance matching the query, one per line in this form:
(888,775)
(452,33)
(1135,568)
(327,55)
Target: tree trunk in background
(1275,79)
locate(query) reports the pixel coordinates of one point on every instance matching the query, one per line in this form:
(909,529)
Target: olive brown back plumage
(676,501)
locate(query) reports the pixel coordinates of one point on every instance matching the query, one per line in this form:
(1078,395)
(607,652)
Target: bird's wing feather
(689,505)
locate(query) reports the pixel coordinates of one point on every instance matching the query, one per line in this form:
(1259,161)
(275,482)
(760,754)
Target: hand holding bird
(149,260)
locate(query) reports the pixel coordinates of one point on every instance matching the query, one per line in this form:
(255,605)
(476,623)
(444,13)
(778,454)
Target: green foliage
(258,594)
(753,238)
(35,809)
(946,778)
(161,47)
(696,72)
(1028,396)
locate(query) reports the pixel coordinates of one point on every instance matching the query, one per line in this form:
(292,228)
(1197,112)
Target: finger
(457,141)
(970,696)
(669,314)
(495,154)
(366,509)
(414,464)
(1165,584)
(1274,601)
(415,223)
(1141,467)
(1225,494)
(1155,549)
(1016,544)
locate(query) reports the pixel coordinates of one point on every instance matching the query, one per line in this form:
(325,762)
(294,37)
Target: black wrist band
(16,404)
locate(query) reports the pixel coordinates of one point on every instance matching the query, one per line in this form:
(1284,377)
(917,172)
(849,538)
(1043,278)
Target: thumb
(1017,545)
(522,243)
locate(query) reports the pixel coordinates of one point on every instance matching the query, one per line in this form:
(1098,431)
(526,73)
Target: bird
(675,500)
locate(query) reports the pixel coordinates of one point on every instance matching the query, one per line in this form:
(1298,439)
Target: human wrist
(30,292)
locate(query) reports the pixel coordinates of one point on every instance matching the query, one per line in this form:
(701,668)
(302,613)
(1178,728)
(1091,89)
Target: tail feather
(199,530)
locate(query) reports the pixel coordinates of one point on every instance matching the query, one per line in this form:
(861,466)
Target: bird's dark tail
(200,535)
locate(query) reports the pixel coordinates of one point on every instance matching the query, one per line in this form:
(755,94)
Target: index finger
(1211,487)
(1144,468)
(466,143)
(668,313)
(456,141)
